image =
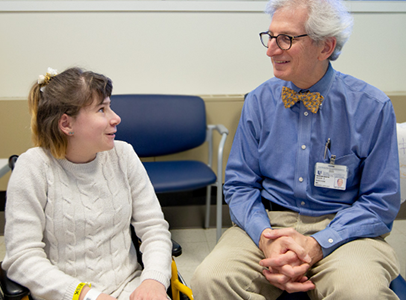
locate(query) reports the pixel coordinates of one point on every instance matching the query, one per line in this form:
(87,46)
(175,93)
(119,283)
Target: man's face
(300,64)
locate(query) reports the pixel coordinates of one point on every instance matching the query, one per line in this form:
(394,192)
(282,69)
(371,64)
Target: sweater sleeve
(26,261)
(148,221)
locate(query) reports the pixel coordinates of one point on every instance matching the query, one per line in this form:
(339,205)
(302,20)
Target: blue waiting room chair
(160,125)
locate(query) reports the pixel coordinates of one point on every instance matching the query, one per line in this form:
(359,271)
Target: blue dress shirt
(275,151)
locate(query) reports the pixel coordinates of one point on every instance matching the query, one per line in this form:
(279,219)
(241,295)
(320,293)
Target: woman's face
(93,130)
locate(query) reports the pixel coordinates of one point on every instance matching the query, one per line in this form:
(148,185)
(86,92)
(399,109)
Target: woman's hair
(327,18)
(65,93)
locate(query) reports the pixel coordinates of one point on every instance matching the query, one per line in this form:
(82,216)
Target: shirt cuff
(329,240)
(256,225)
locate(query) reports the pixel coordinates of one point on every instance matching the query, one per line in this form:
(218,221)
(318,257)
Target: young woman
(72,198)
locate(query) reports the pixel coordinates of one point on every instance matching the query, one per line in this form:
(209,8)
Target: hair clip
(44,79)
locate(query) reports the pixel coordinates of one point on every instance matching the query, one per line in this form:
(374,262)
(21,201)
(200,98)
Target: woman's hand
(105,297)
(149,290)
(100,297)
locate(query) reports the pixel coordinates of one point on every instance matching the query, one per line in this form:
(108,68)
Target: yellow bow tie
(312,101)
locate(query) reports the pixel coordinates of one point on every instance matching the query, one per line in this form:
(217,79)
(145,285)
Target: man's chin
(280,75)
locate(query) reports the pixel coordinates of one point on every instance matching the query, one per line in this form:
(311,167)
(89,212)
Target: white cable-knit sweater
(68,223)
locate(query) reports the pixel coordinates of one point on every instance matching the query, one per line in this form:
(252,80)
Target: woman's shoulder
(122,152)
(122,146)
(31,166)
(34,156)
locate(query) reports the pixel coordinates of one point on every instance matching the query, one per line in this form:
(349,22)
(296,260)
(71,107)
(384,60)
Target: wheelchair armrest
(11,289)
(176,249)
(12,161)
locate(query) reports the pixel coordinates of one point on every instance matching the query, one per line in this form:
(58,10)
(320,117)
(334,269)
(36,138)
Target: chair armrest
(209,137)
(11,289)
(219,127)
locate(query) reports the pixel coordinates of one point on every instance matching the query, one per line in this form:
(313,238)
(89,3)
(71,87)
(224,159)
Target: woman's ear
(328,48)
(65,124)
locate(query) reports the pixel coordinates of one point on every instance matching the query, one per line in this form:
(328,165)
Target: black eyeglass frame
(291,38)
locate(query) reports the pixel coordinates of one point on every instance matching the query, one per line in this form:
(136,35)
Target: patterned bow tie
(312,101)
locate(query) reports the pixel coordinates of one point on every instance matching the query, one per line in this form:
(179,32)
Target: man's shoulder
(268,89)
(272,84)
(360,87)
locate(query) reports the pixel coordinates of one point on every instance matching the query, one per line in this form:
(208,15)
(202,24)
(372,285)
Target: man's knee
(202,277)
(355,290)
(209,282)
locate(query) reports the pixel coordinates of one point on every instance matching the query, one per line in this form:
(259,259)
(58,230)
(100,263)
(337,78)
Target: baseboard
(193,216)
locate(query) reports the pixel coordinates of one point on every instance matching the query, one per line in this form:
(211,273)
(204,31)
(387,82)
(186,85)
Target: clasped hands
(288,256)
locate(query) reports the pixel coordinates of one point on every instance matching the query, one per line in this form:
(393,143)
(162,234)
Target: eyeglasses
(283,41)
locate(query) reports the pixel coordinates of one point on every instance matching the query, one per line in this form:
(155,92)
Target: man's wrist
(263,240)
(315,250)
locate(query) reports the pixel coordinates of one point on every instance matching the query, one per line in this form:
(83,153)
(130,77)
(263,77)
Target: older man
(296,229)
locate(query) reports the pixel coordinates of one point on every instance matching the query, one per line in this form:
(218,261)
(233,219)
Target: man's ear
(65,124)
(328,47)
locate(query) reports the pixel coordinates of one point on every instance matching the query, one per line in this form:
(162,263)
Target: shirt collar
(322,86)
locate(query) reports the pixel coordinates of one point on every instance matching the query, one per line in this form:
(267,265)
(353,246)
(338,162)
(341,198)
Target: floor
(197,244)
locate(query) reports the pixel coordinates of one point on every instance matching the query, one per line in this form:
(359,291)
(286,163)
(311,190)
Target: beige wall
(15,135)
(15,122)
(180,52)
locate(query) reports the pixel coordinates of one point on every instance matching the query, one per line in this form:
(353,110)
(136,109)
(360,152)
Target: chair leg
(208,200)
(219,204)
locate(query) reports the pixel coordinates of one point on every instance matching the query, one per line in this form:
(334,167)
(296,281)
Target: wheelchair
(178,290)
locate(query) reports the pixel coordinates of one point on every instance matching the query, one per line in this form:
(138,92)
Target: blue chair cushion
(174,176)
(398,285)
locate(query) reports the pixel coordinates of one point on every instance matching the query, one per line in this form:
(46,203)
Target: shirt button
(330,241)
(303,147)
(301,179)
(306,113)
(302,203)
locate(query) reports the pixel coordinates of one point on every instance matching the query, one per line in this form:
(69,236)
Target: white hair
(327,18)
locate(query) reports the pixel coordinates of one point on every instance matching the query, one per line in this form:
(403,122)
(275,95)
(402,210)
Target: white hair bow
(44,79)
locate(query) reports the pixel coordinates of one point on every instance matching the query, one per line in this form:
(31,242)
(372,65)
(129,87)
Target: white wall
(187,52)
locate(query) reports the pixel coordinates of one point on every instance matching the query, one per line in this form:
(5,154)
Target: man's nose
(273,48)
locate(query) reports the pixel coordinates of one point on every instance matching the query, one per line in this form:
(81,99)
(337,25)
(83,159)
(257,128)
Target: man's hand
(288,257)
(309,244)
(149,290)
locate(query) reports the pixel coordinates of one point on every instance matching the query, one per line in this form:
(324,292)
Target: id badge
(330,176)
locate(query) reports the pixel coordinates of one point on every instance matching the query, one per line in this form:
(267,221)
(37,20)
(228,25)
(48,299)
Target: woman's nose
(115,119)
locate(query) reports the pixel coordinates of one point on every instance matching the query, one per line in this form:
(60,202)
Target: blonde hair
(65,93)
